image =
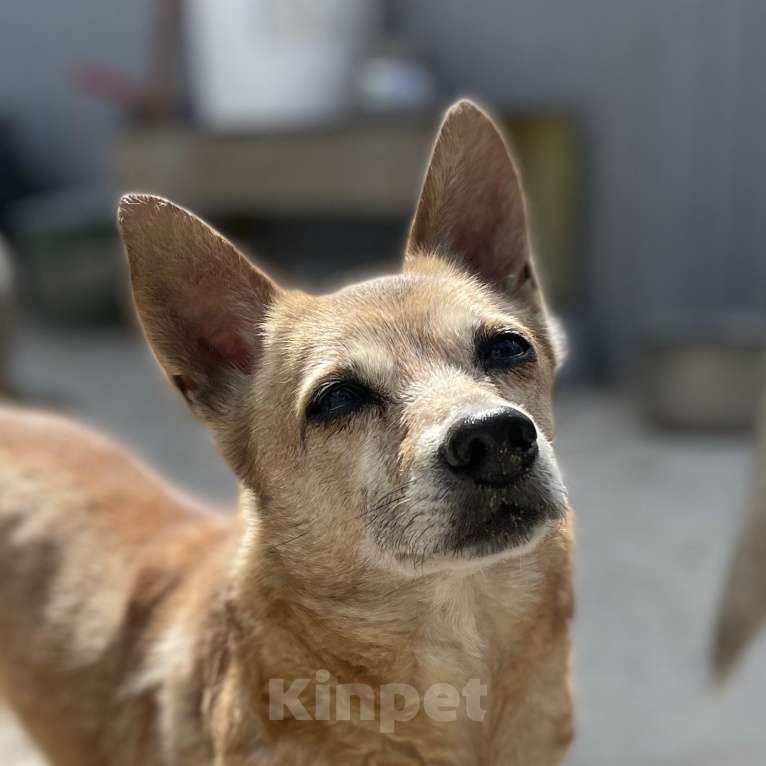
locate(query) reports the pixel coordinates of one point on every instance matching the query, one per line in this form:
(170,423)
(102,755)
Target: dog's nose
(493,447)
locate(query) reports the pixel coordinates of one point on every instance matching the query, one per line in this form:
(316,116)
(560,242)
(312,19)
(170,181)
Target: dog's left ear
(472,210)
(201,303)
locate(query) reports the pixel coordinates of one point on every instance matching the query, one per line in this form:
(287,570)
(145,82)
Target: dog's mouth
(451,522)
(497,526)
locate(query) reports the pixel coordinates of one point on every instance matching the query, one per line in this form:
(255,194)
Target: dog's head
(406,419)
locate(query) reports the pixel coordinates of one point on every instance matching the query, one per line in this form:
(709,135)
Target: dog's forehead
(407,308)
(381,324)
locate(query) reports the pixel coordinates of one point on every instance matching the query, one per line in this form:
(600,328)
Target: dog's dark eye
(504,350)
(338,399)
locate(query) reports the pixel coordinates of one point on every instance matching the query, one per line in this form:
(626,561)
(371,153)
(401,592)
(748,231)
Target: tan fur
(137,628)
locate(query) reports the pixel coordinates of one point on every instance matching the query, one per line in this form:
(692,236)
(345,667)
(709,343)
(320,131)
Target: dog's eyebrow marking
(361,364)
(484,331)
(497,324)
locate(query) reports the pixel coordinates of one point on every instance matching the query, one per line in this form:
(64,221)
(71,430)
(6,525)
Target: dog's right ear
(472,210)
(200,301)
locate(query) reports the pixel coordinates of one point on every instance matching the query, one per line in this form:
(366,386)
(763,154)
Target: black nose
(494,447)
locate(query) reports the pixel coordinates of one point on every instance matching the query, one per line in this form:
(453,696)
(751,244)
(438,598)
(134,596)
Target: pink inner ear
(218,332)
(227,348)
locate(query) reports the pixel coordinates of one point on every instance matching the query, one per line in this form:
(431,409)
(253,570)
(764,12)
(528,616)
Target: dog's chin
(481,534)
(477,554)
(505,527)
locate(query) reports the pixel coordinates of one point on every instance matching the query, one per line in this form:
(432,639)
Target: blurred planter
(703,373)
(71,267)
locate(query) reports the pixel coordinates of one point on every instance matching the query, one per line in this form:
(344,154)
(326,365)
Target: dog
(396,586)
(742,607)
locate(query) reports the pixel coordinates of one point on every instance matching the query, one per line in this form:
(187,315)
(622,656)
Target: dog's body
(742,605)
(402,520)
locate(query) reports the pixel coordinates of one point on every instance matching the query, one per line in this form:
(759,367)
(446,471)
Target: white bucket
(275,63)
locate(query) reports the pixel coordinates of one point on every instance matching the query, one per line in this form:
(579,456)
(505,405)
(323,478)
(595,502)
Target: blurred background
(301,129)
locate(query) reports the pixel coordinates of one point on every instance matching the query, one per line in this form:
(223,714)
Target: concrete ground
(656,517)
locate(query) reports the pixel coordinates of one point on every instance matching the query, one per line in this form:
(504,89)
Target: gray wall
(673,100)
(42,42)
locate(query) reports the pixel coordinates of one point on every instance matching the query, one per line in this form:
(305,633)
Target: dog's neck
(503,626)
(386,625)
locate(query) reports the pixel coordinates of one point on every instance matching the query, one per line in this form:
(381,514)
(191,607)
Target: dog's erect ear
(200,301)
(472,209)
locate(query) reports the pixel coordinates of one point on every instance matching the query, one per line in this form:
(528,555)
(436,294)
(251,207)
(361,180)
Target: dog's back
(90,545)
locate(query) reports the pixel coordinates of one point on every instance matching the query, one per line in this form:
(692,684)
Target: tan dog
(742,608)
(398,575)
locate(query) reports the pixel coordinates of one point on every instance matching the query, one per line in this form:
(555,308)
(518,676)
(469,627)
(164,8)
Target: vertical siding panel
(746,279)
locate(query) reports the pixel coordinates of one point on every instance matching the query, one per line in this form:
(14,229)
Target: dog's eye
(335,400)
(504,350)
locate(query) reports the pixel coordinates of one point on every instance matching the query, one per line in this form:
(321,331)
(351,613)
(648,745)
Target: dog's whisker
(285,543)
